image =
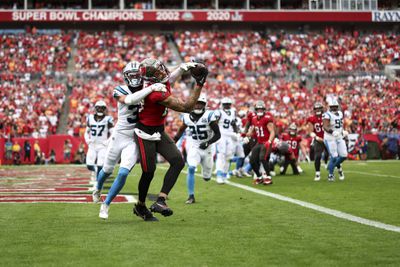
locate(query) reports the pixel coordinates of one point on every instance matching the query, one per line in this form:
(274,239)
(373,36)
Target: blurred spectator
(79,157)
(16,148)
(27,150)
(52,157)
(67,150)
(8,148)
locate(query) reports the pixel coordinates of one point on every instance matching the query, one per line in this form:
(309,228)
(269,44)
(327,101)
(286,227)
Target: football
(198,71)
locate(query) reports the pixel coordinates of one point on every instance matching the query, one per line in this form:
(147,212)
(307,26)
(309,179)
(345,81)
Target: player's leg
(129,158)
(264,159)
(342,152)
(193,159)
(333,153)
(221,160)
(318,150)
(230,152)
(255,163)
(240,159)
(91,159)
(167,148)
(101,156)
(148,157)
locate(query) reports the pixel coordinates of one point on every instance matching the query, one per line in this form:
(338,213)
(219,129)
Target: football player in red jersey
(294,142)
(151,137)
(263,125)
(314,124)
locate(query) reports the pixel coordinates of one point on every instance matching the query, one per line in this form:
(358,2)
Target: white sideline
(336,213)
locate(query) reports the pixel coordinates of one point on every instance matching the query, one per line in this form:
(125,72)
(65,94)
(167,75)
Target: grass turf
(226,227)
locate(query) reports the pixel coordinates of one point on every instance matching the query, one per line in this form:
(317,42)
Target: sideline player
(263,124)
(151,137)
(227,144)
(294,141)
(333,139)
(122,146)
(99,127)
(315,128)
(205,132)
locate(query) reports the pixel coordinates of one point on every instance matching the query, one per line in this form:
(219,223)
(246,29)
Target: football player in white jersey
(204,132)
(98,128)
(227,144)
(333,138)
(122,145)
(239,149)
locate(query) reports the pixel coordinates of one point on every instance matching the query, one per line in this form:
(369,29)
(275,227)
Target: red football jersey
(152,113)
(317,124)
(293,141)
(260,127)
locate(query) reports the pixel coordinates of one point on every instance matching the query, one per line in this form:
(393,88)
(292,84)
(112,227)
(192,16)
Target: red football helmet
(318,108)
(154,71)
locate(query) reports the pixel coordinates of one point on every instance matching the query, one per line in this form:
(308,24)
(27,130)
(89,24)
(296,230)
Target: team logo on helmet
(131,73)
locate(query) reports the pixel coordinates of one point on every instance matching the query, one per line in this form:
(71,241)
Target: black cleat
(190,200)
(161,207)
(144,213)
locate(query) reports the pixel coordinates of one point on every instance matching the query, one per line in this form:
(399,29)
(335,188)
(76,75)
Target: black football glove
(203,145)
(200,80)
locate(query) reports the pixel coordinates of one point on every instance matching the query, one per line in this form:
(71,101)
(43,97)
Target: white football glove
(187,66)
(345,133)
(246,140)
(158,87)
(313,135)
(335,134)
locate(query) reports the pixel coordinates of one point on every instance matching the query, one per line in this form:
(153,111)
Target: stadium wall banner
(386,16)
(53,142)
(195,16)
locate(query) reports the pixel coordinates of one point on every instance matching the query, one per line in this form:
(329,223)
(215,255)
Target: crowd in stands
(30,109)
(30,53)
(108,51)
(243,65)
(330,52)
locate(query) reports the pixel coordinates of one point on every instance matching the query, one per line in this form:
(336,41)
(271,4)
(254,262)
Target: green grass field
(228,226)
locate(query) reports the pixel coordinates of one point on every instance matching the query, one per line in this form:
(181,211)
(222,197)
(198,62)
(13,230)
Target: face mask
(318,113)
(198,111)
(259,114)
(99,113)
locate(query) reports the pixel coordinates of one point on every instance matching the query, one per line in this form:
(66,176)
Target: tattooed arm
(180,105)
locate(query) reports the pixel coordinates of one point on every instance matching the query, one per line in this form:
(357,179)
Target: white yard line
(372,174)
(336,213)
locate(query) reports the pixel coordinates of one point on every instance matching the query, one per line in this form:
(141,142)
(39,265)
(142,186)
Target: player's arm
(271,129)
(110,126)
(234,126)
(180,132)
(179,105)
(87,133)
(326,126)
(138,96)
(247,126)
(179,71)
(217,135)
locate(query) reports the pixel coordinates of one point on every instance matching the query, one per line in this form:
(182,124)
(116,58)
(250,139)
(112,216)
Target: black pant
(148,157)
(293,164)
(319,149)
(260,155)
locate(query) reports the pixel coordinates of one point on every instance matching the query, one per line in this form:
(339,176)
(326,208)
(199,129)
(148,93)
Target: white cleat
(341,175)
(220,180)
(300,169)
(272,173)
(104,211)
(317,177)
(96,195)
(281,169)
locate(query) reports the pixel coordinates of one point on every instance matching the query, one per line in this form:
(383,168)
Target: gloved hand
(200,80)
(313,135)
(187,66)
(203,145)
(246,140)
(345,133)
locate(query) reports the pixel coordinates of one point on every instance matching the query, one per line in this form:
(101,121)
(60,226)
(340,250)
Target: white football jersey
(225,120)
(98,129)
(335,123)
(128,115)
(199,131)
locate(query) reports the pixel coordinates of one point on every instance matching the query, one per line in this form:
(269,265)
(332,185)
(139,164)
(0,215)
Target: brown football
(199,70)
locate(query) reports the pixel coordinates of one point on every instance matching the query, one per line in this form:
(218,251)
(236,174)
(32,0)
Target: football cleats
(292,129)
(201,104)
(100,108)
(132,75)
(154,71)
(260,108)
(318,108)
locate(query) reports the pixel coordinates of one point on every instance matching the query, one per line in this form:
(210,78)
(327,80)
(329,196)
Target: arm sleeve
(175,75)
(119,91)
(138,96)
